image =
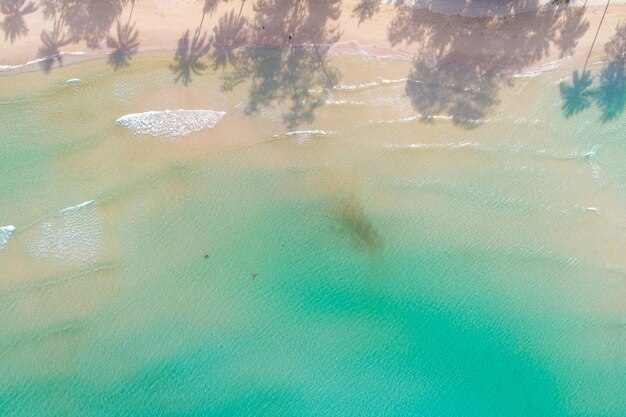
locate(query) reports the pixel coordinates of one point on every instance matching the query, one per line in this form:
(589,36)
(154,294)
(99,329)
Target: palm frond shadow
(366,9)
(188,57)
(292,75)
(52,42)
(447,80)
(124,45)
(14,24)
(211,5)
(227,35)
(576,96)
(86,20)
(609,95)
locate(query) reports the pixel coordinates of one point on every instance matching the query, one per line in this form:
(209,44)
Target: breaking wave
(170,123)
(5,234)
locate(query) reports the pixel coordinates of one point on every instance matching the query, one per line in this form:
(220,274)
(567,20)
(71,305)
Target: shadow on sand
(229,34)
(125,44)
(293,72)
(188,57)
(14,12)
(466,61)
(190,51)
(609,95)
(366,9)
(52,42)
(89,21)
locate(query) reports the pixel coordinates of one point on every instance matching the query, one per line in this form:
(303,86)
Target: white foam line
(338,102)
(513,148)
(309,133)
(78,206)
(531,74)
(430,117)
(399,80)
(39,60)
(12,67)
(445,145)
(352,87)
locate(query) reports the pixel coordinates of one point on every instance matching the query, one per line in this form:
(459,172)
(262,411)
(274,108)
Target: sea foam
(299,133)
(304,136)
(73,235)
(5,234)
(170,123)
(40,60)
(74,82)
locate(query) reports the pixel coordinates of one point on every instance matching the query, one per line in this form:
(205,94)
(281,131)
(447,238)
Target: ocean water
(172,250)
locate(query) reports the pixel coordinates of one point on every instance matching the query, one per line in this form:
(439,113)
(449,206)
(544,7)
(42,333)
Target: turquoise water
(398,269)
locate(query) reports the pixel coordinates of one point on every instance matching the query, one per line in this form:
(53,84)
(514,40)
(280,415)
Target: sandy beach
(486,35)
(317,208)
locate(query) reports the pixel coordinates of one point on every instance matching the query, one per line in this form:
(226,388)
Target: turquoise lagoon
(371,261)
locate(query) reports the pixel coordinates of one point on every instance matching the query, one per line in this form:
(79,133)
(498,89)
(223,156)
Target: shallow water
(371,261)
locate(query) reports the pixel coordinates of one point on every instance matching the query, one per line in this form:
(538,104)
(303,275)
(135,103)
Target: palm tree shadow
(366,9)
(291,73)
(228,35)
(52,42)
(465,62)
(211,5)
(188,57)
(611,93)
(13,24)
(124,46)
(298,77)
(86,20)
(573,27)
(462,94)
(576,96)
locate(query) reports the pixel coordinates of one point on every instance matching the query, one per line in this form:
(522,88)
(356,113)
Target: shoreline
(79,57)
(159,25)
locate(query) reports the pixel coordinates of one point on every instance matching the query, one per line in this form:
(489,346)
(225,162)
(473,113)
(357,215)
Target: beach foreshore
(510,36)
